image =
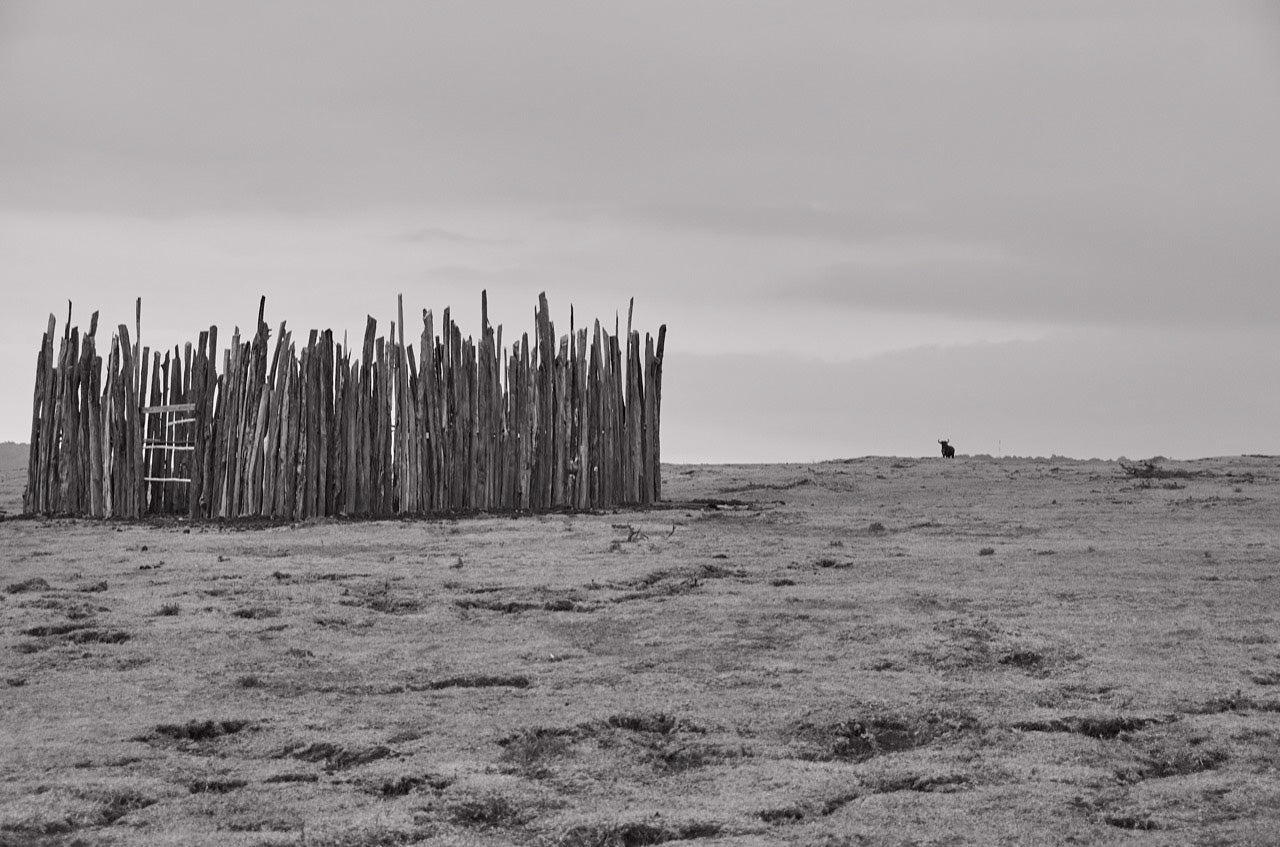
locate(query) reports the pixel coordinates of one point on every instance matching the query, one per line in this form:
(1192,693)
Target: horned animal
(948,452)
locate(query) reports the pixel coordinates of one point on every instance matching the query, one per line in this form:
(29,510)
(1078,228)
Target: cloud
(439,235)
(1136,260)
(466,273)
(295,106)
(755,219)
(1174,283)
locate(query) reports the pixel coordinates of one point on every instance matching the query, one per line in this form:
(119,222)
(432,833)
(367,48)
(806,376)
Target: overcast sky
(1034,228)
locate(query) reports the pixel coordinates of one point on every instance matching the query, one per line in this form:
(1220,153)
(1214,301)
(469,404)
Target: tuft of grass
(80,808)
(34,584)
(215,786)
(659,723)
(488,811)
(376,836)
(398,787)
(506,607)
(404,785)
(250,680)
(199,730)
(1180,760)
(527,751)
(1135,822)
(1094,726)
(634,834)
(256,612)
(788,814)
(924,783)
(99,636)
(1025,659)
(1150,469)
(117,803)
(1237,702)
(859,739)
(686,757)
(476,681)
(337,758)
(168,610)
(54,629)
(293,777)
(390,605)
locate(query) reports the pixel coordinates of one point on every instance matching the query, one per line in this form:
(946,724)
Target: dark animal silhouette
(948,452)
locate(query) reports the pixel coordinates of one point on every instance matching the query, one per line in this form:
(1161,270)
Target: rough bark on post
(32,499)
(655,401)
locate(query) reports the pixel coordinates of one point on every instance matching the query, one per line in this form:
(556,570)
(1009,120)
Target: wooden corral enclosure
(292,431)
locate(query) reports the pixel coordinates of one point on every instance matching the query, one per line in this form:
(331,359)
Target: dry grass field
(878,651)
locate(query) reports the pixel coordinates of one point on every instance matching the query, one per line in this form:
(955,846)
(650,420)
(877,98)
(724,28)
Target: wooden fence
(294,431)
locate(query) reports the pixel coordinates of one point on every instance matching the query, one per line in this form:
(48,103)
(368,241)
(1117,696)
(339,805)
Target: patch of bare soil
(872,651)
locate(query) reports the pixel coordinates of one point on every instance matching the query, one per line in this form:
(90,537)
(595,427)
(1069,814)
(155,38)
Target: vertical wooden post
(413,429)
(648,445)
(655,402)
(109,430)
(127,411)
(352,388)
(293,460)
(635,422)
(33,499)
(58,445)
(325,503)
(306,455)
(206,423)
(400,433)
(341,458)
(582,426)
(97,506)
(84,474)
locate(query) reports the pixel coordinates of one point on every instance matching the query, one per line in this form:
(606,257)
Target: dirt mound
(206,730)
(36,583)
(473,681)
(1094,726)
(859,739)
(336,757)
(635,834)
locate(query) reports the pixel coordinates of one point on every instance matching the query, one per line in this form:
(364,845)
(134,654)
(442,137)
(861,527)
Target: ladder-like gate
(168,449)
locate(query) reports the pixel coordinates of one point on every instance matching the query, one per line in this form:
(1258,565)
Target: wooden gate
(168,446)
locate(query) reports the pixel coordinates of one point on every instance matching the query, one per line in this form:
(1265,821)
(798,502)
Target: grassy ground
(877,651)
